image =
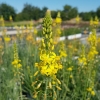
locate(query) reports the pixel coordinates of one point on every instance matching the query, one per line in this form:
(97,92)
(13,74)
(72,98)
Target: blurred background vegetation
(35,13)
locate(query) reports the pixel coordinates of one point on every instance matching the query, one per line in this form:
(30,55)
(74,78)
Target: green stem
(45,93)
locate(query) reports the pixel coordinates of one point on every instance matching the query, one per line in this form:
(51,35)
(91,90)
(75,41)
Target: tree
(7,10)
(31,12)
(72,13)
(22,17)
(98,12)
(43,11)
(86,16)
(67,8)
(36,13)
(53,14)
(69,12)
(93,13)
(27,11)
(63,15)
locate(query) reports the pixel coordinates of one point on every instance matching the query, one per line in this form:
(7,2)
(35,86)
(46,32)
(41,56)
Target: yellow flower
(35,31)
(96,21)
(70,69)
(29,38)
(58,19)
(10,18)
(63,53)
(92,93)
(19,65)
(36,64)
(71,76)
(89,89)
(58,31)
(15,62)
(91,21)
(7,39)
(82,60)
(77,19)
(53,82)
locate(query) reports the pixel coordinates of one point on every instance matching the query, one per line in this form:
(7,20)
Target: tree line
(33,12)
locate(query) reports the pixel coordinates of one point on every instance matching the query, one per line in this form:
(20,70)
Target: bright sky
(82,5)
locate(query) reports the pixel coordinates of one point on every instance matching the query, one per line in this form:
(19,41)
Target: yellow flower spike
(49,63)
(36,73)
(77,19)
(16,60)
(10,18)
(58,19)
(96,21)
(93,43)
(82,59)
(91,22)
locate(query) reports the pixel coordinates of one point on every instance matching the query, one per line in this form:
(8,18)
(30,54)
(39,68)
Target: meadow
(49,69)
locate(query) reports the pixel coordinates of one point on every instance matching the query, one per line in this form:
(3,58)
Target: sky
(82,5)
